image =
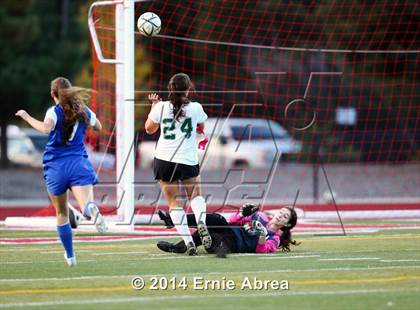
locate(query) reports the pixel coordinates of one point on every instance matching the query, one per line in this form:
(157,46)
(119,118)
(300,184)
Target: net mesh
(340,78)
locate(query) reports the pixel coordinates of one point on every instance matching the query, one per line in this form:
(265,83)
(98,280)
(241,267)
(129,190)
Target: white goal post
(125,67)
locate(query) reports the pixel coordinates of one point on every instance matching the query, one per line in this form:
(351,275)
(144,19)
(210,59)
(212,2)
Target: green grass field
(370,271)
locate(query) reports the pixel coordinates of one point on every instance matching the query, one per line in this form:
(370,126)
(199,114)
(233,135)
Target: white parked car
(21,149)
(237,142)
(26,147)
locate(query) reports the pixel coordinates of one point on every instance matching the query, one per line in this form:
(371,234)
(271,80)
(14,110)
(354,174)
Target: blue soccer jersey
(56,147)
(65,162)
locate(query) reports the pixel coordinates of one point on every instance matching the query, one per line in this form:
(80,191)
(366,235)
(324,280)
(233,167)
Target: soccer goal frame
(124,62)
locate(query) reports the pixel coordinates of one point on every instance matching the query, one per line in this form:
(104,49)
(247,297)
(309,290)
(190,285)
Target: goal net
(314,101)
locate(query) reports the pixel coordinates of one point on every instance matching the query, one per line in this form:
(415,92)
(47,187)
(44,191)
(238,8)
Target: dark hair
(178,87)
(58,84)
(73,101)
(286,236)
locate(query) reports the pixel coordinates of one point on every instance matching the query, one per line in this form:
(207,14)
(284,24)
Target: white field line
(119,253)
(154,257)
(348,258)
(45,261)
(355,233)
(339,269)
(61,251)
(203,297)
(354,251)
(173,257)
(399,260)
(128,238)
(62,261)
(16,263)
(287,257)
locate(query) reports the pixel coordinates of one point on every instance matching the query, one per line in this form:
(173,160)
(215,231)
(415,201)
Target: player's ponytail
(286,236)
(178,87)
(73,100)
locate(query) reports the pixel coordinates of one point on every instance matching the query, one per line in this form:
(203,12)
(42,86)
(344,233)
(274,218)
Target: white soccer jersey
(177,142)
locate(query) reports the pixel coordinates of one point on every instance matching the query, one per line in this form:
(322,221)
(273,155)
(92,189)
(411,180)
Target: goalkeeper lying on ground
(248,231)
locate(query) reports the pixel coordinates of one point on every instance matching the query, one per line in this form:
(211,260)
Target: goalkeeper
(248,231)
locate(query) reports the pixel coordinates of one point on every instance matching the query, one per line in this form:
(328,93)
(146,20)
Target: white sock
(179,218)
(198,205)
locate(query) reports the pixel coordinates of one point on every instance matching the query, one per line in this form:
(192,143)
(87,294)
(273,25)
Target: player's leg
(63,226)
(180,247)
(75,216)
(214,221)
(170,247)
(171,193)
(198,205)
(84,197)
(166,218)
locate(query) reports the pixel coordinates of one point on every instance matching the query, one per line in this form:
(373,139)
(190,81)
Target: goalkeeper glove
(259,228)
(202,144)
(249,209)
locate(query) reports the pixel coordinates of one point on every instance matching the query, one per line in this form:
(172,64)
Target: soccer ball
(149,24)
(327,197)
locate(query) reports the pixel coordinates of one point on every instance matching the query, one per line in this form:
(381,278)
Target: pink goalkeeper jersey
(272,239)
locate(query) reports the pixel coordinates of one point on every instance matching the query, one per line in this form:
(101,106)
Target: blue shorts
(64,173)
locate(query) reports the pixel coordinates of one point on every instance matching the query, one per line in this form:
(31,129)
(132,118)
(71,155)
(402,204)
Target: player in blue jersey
(248,231)
(65,161)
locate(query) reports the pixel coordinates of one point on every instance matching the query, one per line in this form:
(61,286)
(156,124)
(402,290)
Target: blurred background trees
(40,40)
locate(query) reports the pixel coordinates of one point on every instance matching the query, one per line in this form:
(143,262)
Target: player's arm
(200,128)
(94,122)
(151,126)
(45,127)
(97,126)
(244,215)
(266,246)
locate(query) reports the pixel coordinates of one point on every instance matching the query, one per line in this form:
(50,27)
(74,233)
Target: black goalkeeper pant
(219,229)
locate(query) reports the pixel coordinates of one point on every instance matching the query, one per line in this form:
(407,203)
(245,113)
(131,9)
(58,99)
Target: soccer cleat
(205,237)
(73,219)
(165,217)
(98,218)
(191,249)
(70,261)
(169,247)
(222,250)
